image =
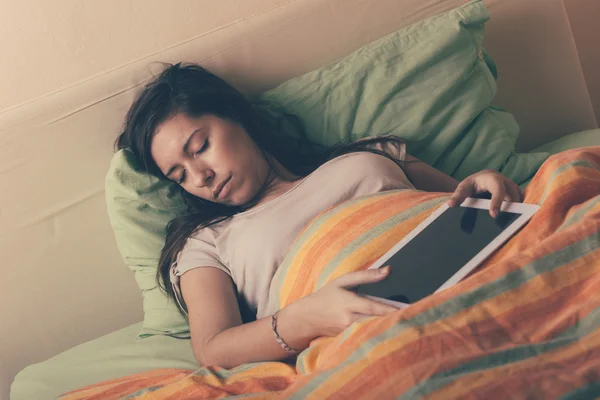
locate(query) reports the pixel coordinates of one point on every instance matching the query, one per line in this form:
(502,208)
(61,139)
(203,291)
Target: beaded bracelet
(278,338)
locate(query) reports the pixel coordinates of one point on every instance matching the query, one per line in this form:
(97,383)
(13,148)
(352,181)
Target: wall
(584,16)
(57,44)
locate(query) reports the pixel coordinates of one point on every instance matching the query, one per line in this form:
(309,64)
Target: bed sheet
(114,355)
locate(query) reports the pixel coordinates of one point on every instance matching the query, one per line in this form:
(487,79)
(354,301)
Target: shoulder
(211,232)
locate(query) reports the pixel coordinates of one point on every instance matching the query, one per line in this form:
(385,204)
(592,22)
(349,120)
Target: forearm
(255,341)
(425,177)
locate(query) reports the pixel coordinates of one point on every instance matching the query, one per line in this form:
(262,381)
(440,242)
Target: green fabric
(430,83)
(111,356)
(572,141)
(139,207)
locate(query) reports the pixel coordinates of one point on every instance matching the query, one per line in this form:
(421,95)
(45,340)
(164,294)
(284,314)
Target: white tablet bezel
(526,211)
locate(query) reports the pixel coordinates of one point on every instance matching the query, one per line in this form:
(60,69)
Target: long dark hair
(194,91)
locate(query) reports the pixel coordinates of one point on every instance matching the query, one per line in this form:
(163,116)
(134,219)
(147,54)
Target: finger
(463,190)
(352,279)
(498,192)
(369,306)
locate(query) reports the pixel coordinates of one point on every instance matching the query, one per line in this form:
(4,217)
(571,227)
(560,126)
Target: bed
(523,326)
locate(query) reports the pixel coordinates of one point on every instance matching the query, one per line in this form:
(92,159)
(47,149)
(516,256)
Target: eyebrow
(185,150)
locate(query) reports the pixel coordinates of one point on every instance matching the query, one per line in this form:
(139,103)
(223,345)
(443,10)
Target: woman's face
(210,157)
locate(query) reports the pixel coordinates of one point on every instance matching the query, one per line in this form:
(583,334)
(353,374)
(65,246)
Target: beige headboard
(63,280)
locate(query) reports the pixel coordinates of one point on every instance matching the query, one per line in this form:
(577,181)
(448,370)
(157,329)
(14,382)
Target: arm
(422,175)
(430,179)
(425,177)
(218,335)
(220,338)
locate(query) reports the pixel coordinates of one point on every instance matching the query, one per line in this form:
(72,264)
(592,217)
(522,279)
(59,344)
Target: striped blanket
(524,325)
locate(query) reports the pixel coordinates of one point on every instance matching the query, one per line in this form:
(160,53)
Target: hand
(333,308)
(501,188)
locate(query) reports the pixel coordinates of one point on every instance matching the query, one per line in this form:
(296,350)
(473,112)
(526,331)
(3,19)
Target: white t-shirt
(251,245)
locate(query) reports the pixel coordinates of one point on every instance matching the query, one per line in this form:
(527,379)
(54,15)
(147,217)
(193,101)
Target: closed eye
(183,173)
(182,178)
(204,146)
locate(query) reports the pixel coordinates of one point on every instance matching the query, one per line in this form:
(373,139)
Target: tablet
(444,249)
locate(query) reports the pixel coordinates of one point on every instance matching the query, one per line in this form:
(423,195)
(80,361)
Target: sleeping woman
(251,188)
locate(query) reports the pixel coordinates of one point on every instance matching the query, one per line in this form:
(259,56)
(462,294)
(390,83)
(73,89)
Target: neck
(279,181)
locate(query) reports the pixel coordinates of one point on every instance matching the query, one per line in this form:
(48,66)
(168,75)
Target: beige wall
(47,46)
(584,16)
(51,45)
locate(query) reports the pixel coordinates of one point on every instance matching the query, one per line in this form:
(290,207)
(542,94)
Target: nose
(201,177)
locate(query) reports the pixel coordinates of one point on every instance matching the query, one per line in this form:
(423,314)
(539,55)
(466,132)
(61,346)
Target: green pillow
(430,83)
(139,207)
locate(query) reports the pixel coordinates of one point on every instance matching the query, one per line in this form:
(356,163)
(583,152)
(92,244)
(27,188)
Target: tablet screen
(432,257)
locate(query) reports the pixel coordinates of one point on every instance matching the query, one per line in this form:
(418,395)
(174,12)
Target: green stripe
(584,393)
(247,395)
(226,373)
(559,170)
(463,301)
(143,391)
(584,327)
(374,233)
(579,214)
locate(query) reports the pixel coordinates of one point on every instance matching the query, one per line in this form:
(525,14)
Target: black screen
(431,258)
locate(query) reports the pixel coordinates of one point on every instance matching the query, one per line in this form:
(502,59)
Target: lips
(218,189)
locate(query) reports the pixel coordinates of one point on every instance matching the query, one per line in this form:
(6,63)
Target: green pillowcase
(139,207)
(572,141)
(430,83)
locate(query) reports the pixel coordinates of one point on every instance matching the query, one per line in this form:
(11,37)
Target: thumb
(353,279)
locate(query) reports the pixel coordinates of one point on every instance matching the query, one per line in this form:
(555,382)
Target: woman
(250,189)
